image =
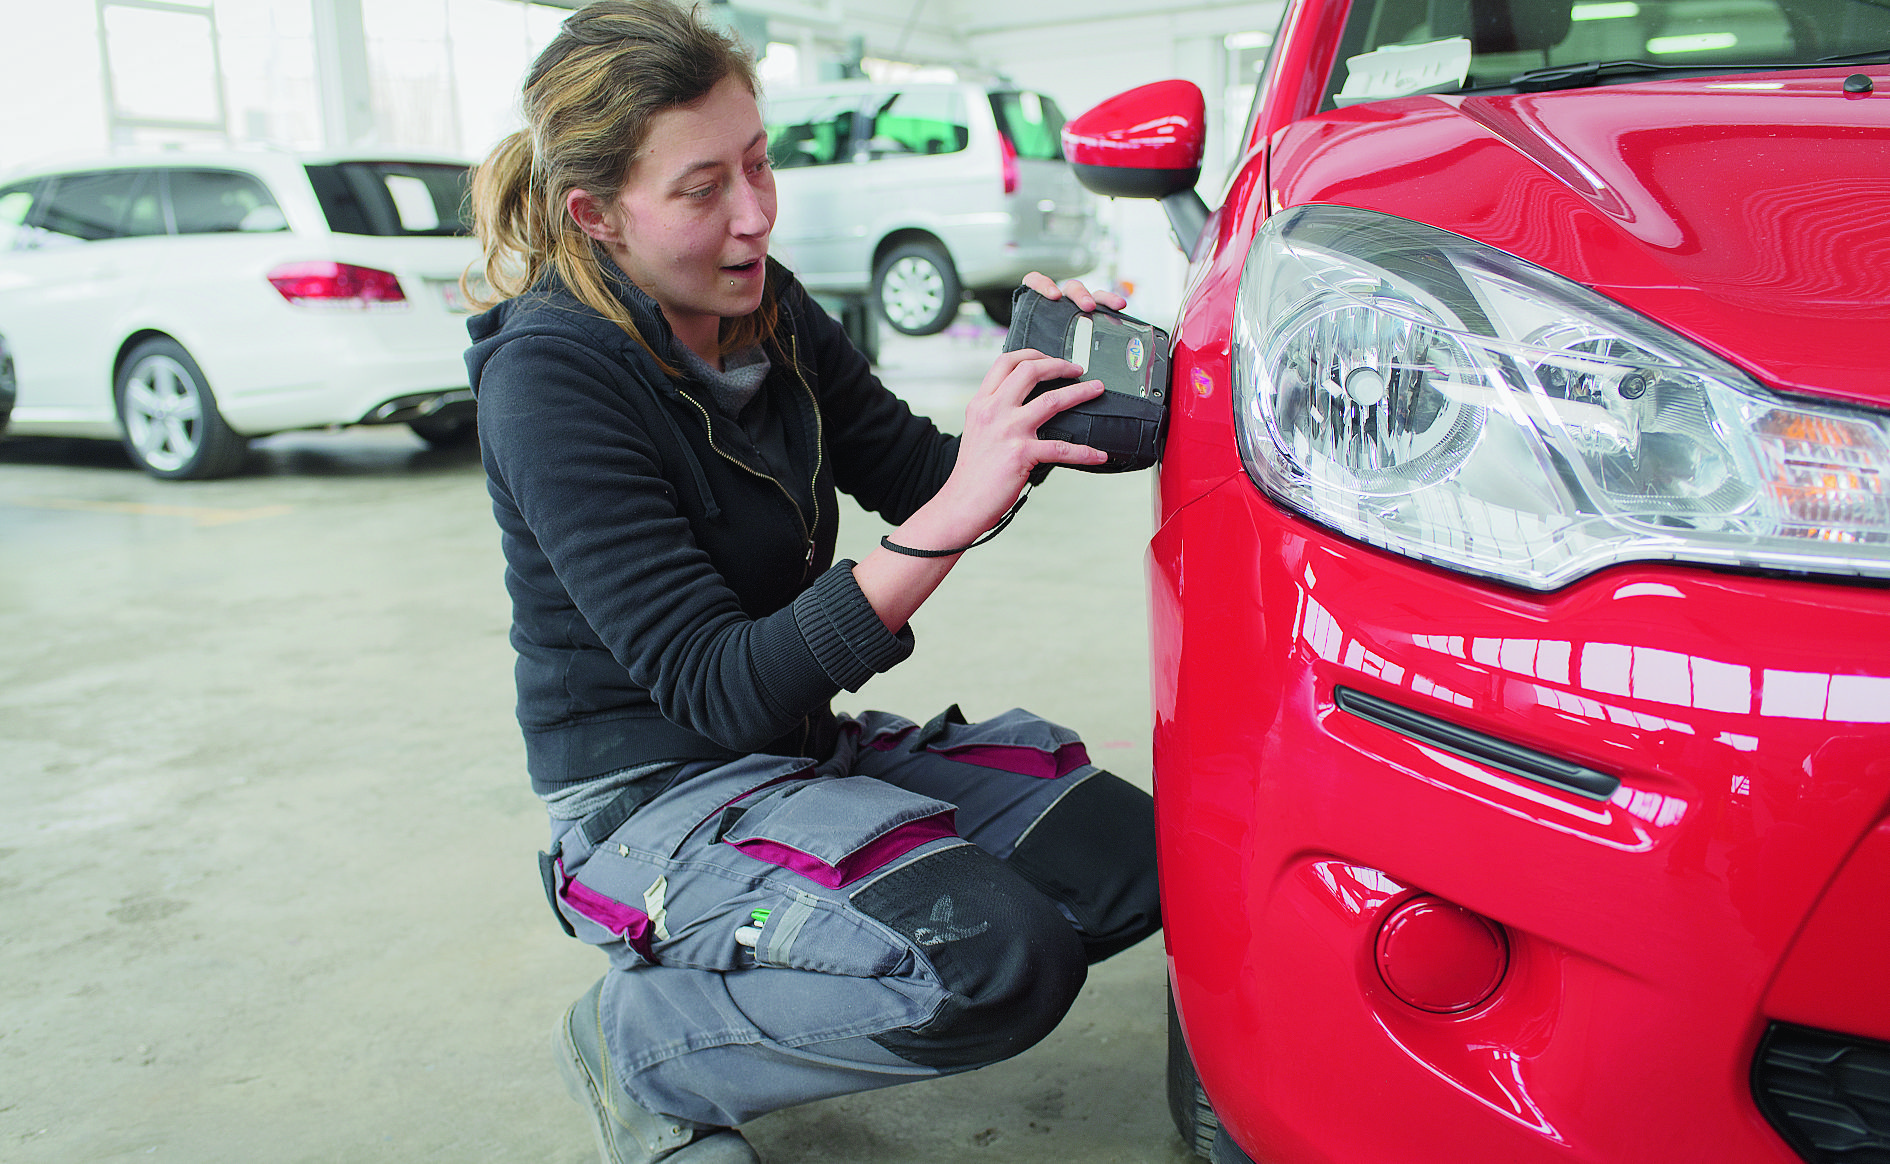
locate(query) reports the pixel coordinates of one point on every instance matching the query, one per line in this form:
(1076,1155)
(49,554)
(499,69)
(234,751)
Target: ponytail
(509,222)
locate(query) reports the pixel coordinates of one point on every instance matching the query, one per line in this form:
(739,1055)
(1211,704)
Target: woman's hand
(1083,297)
(999,446)
(996,453)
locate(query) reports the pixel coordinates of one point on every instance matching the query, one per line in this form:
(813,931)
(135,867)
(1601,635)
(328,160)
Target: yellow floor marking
(200,514)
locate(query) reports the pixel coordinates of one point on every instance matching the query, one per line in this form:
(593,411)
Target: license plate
(452,296)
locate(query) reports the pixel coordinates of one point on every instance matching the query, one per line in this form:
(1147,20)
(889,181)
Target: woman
(796,904)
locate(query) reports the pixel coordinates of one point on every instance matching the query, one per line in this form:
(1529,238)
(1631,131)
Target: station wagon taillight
(336,285)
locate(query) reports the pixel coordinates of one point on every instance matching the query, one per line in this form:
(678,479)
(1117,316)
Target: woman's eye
(700,193)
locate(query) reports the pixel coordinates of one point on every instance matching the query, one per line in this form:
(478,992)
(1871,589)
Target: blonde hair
(588,102)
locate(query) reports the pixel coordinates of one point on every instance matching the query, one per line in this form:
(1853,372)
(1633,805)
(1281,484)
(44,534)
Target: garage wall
(445,75)
(57,104)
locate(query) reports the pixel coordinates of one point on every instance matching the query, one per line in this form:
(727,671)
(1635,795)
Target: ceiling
(947,31)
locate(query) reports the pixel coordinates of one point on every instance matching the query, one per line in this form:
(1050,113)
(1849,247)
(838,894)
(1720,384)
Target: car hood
(1750,212)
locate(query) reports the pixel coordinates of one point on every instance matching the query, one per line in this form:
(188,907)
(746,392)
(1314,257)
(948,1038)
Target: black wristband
(909,552)
(995,530)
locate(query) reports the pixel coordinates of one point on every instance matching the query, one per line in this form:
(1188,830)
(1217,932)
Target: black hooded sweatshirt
(674,595)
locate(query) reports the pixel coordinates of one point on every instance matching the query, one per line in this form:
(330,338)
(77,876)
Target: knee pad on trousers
(1094,852)
(1010,961)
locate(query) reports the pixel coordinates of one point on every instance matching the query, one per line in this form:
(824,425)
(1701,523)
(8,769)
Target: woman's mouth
(751,267)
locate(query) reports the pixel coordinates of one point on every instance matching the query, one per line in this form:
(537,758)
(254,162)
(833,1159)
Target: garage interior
(267,850)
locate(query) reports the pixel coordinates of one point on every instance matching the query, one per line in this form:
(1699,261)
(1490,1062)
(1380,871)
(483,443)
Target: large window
(391,199)
(97,206)
(1032,122)
(219,201)
(919,121)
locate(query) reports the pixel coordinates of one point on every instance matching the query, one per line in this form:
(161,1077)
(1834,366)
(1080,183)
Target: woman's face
(691,224)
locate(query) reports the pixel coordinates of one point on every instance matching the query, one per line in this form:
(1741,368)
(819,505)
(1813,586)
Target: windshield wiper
(1587,73)
(1867,57)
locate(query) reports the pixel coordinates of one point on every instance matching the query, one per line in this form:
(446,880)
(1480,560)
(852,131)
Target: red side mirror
(1145,143)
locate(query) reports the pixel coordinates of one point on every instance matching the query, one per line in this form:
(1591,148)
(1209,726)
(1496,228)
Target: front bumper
(1651,933)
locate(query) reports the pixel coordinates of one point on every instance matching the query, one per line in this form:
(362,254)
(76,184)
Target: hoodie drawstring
(709,508)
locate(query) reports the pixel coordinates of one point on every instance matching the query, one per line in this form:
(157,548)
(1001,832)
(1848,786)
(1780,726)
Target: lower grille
(1827,1094)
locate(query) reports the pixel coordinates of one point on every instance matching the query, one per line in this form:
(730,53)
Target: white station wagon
(185,302)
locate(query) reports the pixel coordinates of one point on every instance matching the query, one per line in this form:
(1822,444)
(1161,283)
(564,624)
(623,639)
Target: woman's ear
(588,213)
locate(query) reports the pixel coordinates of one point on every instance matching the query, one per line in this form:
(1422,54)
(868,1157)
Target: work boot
(626,1132)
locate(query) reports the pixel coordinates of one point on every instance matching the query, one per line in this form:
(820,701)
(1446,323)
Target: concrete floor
(267,882)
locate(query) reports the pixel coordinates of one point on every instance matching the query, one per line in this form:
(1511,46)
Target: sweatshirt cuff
(843,631)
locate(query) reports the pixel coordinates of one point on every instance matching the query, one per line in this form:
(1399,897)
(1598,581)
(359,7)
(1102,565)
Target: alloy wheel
(163,410)
(913,293)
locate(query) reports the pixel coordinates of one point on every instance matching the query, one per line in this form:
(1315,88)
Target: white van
(925,194)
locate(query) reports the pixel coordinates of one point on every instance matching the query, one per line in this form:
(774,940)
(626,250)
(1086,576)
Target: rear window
(391,199)
(1032,122)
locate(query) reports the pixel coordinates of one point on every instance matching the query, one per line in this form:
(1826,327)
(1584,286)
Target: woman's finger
(1006,363)
(1042,408)
(1043,285)
(1060,452)
(1015,382)
(1089,300)
(1076,291)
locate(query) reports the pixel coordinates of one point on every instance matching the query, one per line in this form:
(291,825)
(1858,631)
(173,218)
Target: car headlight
(1439,398)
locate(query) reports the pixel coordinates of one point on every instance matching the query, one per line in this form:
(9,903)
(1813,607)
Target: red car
(1521,594)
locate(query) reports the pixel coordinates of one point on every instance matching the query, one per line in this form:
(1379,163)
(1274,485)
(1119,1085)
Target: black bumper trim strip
(1474,745)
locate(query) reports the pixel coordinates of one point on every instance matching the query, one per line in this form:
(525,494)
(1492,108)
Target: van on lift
(923,194)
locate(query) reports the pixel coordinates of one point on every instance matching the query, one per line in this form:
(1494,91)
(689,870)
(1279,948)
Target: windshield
(1395,48)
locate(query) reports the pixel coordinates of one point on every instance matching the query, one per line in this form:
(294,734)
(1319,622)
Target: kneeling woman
(795,904)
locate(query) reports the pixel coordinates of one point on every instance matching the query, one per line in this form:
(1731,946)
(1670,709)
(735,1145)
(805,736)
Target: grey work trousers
(926,901)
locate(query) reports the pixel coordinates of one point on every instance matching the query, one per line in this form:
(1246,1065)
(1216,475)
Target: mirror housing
(1146,143)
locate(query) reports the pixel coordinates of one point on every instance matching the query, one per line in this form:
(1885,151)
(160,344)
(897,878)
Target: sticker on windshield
(1404,70)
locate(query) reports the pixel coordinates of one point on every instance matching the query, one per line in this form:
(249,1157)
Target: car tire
(168,416)
(1188,1104)
(997,306)
(917,289)
(446,432)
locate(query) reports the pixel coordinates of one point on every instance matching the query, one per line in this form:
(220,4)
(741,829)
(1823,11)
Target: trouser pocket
(747,866)
(1015,741)
(835,831)
(612,890)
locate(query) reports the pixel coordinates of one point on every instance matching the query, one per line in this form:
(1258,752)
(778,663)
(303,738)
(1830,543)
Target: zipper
(813,490)
(820,444)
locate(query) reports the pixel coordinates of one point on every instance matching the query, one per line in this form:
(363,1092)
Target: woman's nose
(754,209)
